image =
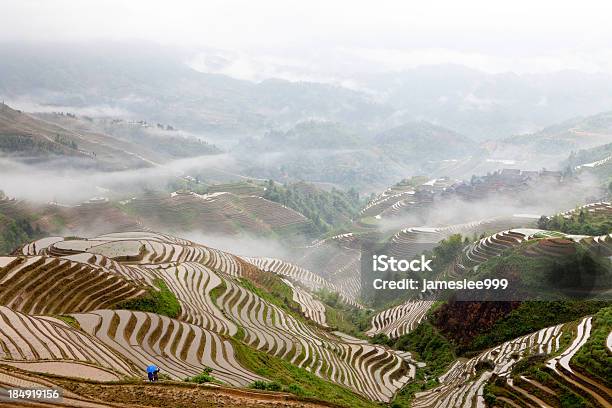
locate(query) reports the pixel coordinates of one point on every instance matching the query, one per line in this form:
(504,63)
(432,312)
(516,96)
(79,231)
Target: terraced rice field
(217,212)
(399,320)
(582,335)
(582,384)
(102,217)
(409,242)
(400,207)
(96,216)
(49,345)
(78,394)
(300,275)
(338,261)
(128,252)
(602,207)
(238,188)
(372,371)
(412,241)
(384,202)
(50,285)
(549,244)
(270,329)
(276,215)
(347,240)
(562,370)
(312,308)
(192,283)
(180,349)
(183,346)
(9,379)
(401,197)
(600,245)
(495,244)
(463,385)
(594,164)
(551,247)
(292,271)
(142,257)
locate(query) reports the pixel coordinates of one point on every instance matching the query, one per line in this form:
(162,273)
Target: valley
(82,310)
(193,227)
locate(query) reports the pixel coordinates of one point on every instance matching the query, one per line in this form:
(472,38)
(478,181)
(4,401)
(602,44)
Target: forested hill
(416,140)
(308,135)
(23,135)
(326,209)
(16,227)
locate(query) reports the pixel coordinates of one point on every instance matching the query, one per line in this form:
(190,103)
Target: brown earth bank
(463,321)
(164,394)
(174,395)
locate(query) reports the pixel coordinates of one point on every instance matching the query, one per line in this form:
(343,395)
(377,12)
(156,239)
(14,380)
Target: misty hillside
(21,135)
(307,135)
(590,129)
(573,134)
(490,106)
(89,143)
(154,139)
(586,157)
(146,82)
(26,137)
(141,81)
(551,146)
(600,124)
(422,140)
(596,161)
(331,152)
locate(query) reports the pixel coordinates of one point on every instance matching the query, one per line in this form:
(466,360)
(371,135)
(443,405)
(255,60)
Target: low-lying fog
(244,245)
(70,185)
(538,200)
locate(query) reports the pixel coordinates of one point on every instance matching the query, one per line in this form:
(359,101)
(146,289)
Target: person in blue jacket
(152,372)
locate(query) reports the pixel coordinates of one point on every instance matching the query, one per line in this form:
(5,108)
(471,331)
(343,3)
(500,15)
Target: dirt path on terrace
(65,368)
(592,382)
(164,395)
(509,402)
(530,397)
(92,394)
(538,385)
(600,399)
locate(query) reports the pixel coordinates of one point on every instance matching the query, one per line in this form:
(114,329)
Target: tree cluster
(581,222)
(326,209)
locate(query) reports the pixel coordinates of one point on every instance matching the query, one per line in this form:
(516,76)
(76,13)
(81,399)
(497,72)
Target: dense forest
(326,209)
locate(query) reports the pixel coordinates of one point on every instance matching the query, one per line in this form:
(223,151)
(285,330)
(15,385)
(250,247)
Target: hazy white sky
(326,36)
